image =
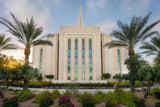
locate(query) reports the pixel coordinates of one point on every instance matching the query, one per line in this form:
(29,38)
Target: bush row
(46,84)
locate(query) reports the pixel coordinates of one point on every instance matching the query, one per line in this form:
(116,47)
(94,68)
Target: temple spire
(80,21)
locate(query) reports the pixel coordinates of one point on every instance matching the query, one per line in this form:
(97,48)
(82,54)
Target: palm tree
(4,43)
(152,48)
(130,35)
(27,33)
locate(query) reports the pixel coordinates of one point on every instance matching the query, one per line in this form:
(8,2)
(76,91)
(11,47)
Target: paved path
(93,91)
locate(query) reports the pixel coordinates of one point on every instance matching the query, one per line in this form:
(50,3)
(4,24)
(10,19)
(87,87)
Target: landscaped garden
(20,73)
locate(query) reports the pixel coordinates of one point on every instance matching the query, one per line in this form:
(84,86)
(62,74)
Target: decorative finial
(80,7)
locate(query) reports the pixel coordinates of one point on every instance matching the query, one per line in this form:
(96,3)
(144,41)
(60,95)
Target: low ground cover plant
(10,102)
(40,96)
(46,100)
(152,92)
(68,104)
(87,100)
(157,104)
(55,94)
(99,97)
(25,95)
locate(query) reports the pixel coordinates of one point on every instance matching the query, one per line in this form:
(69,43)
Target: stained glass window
(69,59)
(119,66)
(76,59)
(90,59)
(83,59)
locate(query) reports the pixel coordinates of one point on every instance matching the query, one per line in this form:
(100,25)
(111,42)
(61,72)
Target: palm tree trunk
(132,82)
(26,53)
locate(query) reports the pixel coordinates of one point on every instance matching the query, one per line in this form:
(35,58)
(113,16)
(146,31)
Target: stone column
(65,59)
(72,59)
(79,58)
(86,58)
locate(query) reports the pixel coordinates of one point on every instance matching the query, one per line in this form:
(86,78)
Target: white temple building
(78,53)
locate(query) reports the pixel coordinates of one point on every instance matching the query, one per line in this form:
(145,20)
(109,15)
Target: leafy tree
(118,77)
(8,67)
(25,73)
(152,48)
(4,43)
(39,78)
(134,63)
(106,75)
(27,33)
(130,35)
(148,75)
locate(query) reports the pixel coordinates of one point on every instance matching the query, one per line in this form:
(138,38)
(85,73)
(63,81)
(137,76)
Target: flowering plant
(10,102)
(142,99)
(68,104)
(46,101)
(63,100)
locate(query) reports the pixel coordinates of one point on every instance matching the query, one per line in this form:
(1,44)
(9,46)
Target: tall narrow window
(90,59)
(69,59)
(41,58)
(119,66)
(83,59)
(76,59)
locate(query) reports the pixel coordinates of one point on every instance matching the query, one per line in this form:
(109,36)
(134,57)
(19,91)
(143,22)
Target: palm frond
(42,42)
(115,44)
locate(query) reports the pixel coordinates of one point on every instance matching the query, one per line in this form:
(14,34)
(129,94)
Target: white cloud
(134,6)
(23,9)
(94,5)
(107,27)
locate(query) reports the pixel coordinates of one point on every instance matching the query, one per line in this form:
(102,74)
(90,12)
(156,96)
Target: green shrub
(49,76)
(10,102)
(139,102)
(111,98)
(40,96)
(126,98)
(157,94)
(111,104)
(99,97)
(46,100)
(106,75)
(157,104)
(63,99)
(55,94)
(39,78)
(25,95)
(87,100)
(67,93)
(153,91)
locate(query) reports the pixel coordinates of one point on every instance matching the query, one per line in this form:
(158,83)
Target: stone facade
(54,59)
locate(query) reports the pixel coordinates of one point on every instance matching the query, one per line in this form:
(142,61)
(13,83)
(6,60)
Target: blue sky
(51,14)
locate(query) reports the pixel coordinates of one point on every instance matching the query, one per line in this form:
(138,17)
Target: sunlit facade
(78,53)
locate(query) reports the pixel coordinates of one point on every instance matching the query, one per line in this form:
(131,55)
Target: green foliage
(139,102)
(152,92)
(26,72)
(156,69)
(99,97)
(87,100)
(157,104)
(40,96)
(117,77)
(25,95)
(39,78)
(126,98)
(49,76)
(55,94)
(46,100)
(10,102)
(111,98)
(111,104)
(67,93)
(106,75)
(157,94)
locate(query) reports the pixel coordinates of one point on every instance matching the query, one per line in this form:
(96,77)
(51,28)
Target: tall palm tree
(4,43)
(27,33)
(152,48)
(130,35)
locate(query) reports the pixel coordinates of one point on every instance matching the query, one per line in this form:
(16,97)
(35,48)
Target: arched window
(41,58)
(90,59)
(119,65)
(83,59)
(69,59)
(76,59)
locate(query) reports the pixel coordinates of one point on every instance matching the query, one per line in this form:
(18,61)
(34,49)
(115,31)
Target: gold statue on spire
(80,7)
